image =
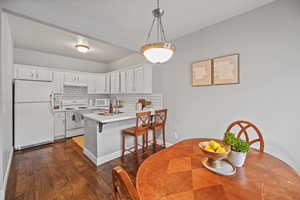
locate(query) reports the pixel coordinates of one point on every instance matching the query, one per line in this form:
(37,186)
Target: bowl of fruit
(215,150)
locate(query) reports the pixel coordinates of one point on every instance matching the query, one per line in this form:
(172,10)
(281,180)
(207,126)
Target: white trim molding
(90,155)
(105,158)
(3,189)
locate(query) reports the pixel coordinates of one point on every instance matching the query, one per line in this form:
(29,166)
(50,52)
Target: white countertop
(77,109)
(114,117)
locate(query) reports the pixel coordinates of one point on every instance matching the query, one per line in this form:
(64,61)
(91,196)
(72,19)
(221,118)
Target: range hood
(75,84)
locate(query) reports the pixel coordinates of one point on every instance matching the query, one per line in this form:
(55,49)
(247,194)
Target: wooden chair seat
(133,131)
(156,126)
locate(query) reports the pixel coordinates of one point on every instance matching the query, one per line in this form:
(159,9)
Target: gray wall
(30,57)
(6,74)
(269,44)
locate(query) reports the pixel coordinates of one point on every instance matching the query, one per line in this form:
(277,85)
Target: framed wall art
(202,73)
(226,70)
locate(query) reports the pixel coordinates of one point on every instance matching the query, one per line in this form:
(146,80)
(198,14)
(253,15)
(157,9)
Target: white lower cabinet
(59,125)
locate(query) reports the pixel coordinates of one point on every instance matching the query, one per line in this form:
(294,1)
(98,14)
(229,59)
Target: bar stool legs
(164,137)
(123,147)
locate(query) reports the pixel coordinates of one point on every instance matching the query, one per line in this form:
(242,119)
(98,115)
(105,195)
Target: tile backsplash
(78,93)
(128,100)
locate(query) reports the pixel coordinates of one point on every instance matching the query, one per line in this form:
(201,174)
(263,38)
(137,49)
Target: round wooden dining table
(177,173)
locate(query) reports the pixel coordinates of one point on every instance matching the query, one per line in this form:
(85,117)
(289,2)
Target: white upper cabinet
(82,78)
(91,85)
(43,75)
(58,80)
(139,80)
(24,72)
(27,72)
(115,82)
(147,79)
(133,80)
(129,81)
(76,77)
(97,84)
(100,84)
(107,83)
(123,82)
(71,77)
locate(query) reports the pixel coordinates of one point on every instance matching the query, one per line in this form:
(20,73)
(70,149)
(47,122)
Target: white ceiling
(28,34)
(126,22)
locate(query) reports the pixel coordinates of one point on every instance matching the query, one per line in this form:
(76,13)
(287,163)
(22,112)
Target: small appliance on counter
(102,102)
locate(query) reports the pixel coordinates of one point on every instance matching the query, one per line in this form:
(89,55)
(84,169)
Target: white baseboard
(101,160)
(2,192)
(90,155)
(159,141)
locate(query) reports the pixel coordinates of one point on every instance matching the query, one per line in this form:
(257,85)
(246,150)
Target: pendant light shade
(160,51)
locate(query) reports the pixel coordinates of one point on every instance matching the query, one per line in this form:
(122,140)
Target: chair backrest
(244,126)
(160,117)
(122,185)
(143,120)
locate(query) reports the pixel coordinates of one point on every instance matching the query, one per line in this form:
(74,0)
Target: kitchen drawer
(59,115)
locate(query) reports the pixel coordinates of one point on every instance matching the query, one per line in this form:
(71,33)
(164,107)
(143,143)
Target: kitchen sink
(69,108)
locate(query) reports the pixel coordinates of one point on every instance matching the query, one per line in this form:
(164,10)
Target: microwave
(102,102)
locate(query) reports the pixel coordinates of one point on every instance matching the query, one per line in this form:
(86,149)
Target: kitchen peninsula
(102,139)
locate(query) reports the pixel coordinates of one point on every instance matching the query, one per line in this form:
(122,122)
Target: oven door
(71,123)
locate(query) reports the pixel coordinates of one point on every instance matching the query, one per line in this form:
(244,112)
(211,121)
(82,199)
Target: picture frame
(202,73)
(226,70)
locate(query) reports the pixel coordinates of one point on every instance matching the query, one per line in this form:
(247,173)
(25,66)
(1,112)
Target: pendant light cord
(161,35)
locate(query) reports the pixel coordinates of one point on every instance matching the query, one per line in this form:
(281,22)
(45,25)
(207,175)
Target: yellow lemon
(208,148)
(221,150)
(214,145)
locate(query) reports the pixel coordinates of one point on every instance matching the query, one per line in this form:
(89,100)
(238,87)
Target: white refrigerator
(32,113)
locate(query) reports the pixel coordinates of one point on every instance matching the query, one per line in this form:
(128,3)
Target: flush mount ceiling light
(82,48)
(160,51)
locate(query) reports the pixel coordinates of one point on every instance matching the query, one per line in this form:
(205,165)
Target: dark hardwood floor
(61,171)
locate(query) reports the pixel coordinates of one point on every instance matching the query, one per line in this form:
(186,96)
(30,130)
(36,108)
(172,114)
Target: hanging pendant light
(160,51)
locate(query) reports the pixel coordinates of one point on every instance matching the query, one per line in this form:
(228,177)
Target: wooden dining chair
(140,129)
(123,187)
(243,126)
(159,123)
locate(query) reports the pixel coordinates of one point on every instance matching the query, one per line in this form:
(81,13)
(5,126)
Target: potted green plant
(239,149)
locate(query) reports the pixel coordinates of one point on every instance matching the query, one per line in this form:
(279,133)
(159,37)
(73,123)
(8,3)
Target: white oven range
(74,119)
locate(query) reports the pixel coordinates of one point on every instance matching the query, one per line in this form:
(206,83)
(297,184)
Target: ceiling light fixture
(82,48)
(160,51)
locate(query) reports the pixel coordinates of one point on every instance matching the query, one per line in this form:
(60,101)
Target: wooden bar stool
(140,129)
(159,123)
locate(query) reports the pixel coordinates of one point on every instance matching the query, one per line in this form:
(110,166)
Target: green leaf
(236,144)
